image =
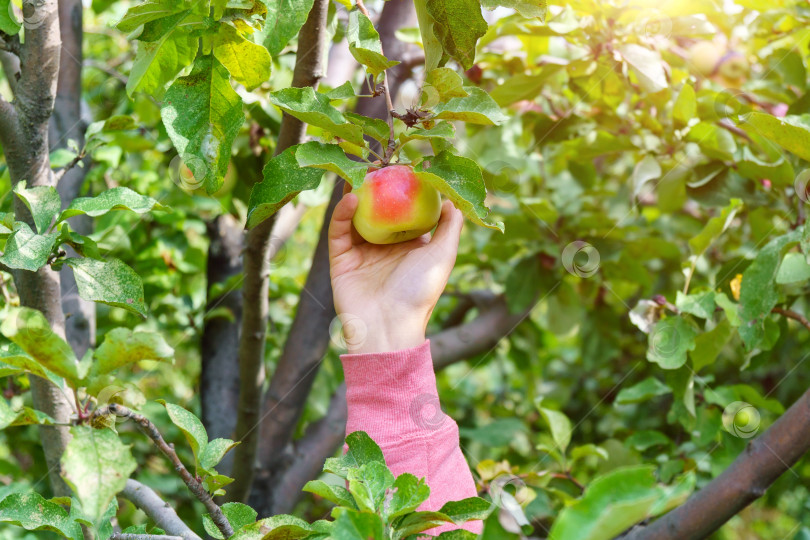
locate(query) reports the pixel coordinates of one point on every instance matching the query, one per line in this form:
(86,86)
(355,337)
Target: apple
(394,205)
(734,66)
(704,57)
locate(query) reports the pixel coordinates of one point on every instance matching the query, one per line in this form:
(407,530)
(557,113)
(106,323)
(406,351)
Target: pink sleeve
(393,397)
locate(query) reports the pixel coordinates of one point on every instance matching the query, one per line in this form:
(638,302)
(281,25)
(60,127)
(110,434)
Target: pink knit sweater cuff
(392,396)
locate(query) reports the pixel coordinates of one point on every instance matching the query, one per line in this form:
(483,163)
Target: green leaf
(430,42)
(700,304)
(791,133)
(315,109)
(410,493)
(8,20)
(373,127)
(27,251)
(191,427)
(685,107)
(794,269)
(461,181)
(214,452)
(331,492)
(759,293)
(15,360)
(25,416)
(458,25)
(159,60)
(417,522)
(731,309)
(145,12)
(714,228)
(443,130)
(445,83)
(715,142)
(109,282)
(645,170)
(669,342)
(365,46)
(33,512)
(202,115)
(42,201)
(237,514)
(214,482)
(458,534)
(369,483)
(468,509)
(283,180)
(356,525)
(646,389)
(647,65)
(117,198)
(281,527)
(559,425)
(248,63)
(29,329)
(527,8)
(332,158)
(524,87)
(284,20)
(477,108)
(344,91)
(709,344)
(646,439)
(122,346)
(615,501)
(96,466)
(362,450)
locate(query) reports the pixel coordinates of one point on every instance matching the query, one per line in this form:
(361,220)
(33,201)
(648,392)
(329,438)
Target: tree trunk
(24,135)
(308,71)
(219,379)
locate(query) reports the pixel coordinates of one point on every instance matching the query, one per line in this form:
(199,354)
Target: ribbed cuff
(392,395)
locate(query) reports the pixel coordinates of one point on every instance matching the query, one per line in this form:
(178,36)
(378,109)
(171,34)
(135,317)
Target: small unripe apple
(704,56)
(394,205)
(734,66)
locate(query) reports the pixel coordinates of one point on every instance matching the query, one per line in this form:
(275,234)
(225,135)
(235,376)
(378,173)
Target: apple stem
(392,144)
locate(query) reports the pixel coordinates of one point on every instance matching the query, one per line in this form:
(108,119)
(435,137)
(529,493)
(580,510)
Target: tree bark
(24,135)
(219,378)
(308,339)
(157,509)
(308,71)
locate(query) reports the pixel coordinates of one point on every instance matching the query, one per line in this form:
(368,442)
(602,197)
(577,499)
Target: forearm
(392,396)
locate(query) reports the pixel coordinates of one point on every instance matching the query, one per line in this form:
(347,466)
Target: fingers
(448,231)
(340,228)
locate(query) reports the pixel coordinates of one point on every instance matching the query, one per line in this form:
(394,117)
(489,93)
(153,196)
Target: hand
(384,294)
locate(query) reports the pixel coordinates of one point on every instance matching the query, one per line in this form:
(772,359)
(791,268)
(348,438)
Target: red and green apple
(395,205)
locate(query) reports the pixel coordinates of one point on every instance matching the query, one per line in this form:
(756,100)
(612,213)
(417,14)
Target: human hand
(384,294)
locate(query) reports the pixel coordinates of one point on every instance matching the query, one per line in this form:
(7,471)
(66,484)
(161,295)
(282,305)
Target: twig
(73,162)
(157,509)
(149,429)
(734,129)
(790,314)
(129,536)
(106,69)
(392,144)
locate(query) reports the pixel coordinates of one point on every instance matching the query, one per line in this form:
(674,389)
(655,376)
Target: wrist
(379,334)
